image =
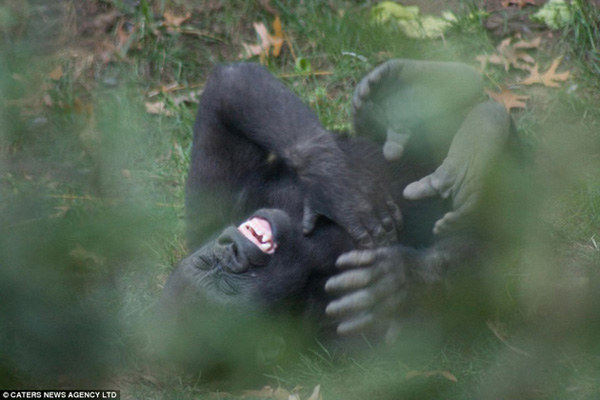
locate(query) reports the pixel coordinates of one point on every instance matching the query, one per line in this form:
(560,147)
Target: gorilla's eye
(259,232)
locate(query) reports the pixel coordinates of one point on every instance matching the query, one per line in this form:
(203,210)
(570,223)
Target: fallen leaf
(557,14)
(508,55)
(124,32)
(172,20)
(158,108)
(426,374)
(531,44)
(267,41)
(316,394)
(507,98)
(518,3)
(410,21)
(277,38)
(56,73)
(548,78)
(281,394)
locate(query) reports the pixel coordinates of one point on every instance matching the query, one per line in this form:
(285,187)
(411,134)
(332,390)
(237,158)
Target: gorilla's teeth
(258,231)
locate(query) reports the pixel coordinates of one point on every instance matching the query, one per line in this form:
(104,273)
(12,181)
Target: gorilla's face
(264,260)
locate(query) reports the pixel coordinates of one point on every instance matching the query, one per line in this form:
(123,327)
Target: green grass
(91,204)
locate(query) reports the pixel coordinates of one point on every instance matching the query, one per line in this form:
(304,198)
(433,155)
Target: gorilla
(286,217)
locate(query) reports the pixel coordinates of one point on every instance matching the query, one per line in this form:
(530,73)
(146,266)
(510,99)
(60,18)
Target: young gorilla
(260,155)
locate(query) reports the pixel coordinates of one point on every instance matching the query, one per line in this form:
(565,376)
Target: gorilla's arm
(402,97)
(246,115)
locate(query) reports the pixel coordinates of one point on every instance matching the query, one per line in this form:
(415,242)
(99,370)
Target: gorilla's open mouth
(259,232)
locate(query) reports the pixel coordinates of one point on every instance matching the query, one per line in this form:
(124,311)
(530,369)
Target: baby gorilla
(323,197)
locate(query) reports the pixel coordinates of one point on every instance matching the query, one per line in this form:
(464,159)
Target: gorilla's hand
(374,285)
(401,96)
(461,177)
(355,200)
(360,204)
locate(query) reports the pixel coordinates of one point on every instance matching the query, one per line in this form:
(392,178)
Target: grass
(91,201)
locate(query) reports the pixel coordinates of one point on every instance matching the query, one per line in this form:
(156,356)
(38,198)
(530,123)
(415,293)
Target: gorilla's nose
(236,253)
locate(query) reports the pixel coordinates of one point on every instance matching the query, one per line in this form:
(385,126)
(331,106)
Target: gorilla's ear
(401,95)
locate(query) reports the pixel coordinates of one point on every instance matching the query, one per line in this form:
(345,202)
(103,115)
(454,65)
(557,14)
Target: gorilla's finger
(381,237)
(357,231)
(309,219)
(356,259)
(388,223)
(355,325)
(393,332)
(449,222)
(425,187)
(392,151)
(351,304)
(364,90)
(364,240)
(394,211)
(349,280)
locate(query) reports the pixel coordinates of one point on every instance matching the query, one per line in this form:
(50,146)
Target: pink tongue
(253,229)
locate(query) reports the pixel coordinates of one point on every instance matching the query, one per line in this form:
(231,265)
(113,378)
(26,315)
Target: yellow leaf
(410,21)
(158,108)
(56,73)
(277,39)
(532,44)
(267,41)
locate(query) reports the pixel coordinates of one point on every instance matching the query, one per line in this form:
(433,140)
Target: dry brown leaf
(426,374)
(124,32)
(531,44)
(267,41)
(56,73)
(507,98)
(507,55)
(281,394)
(278,37)
(549,77)
(158,108)
(172,20)
(518,3)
